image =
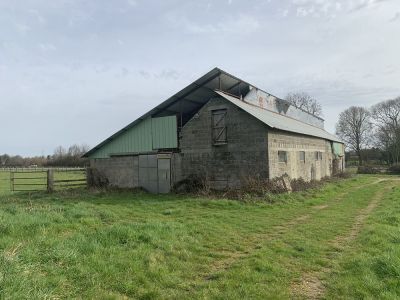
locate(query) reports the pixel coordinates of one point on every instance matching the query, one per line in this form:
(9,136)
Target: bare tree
(355,129)
(386,115)
(305,102)
(60,151)
(4,159)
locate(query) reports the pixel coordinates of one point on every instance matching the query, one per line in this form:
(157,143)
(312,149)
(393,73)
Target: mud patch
(319,207)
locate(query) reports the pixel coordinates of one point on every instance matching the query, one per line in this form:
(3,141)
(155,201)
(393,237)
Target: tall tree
(386,115)
(355,129)
(305,102)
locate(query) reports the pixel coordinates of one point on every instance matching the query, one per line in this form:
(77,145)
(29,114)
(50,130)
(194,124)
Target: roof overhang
(279,121)
(189,100)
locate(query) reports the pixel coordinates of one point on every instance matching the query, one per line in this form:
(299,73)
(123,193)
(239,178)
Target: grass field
(342,241)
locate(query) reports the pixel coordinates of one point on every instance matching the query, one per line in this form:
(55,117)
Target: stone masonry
(121,171)
(244,155)
(292,143)
(251,151)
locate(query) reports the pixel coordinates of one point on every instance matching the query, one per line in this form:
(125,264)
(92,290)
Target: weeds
(253,188)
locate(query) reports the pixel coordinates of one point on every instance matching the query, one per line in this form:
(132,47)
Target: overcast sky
(76,71)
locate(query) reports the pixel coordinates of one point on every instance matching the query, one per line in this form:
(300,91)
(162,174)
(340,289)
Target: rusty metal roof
(278,121)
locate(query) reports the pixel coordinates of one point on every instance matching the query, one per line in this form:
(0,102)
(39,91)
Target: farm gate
(47,180)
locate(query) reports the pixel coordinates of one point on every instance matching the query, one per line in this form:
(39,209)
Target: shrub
(368,170)
(97,179)
(394,169)
(343,175)
(300,184)
(192,184)
(253,188)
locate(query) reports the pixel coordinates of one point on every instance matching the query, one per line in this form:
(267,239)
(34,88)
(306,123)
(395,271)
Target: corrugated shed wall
(164,133)
(146,136)
(338,149)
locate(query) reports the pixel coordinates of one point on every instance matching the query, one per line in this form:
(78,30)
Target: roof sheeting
(278,121)
(187,101)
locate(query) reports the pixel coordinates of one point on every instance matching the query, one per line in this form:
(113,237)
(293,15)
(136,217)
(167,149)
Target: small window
(282,156)
(302,155)
(318,155)
(219,134)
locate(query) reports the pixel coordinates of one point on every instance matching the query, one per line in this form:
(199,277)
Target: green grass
(111,245)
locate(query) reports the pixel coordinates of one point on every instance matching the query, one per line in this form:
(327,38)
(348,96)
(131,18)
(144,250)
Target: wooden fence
(16,169)
(47,180)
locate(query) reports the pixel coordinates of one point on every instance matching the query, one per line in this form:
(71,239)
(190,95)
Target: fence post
(12,181)
(50,180)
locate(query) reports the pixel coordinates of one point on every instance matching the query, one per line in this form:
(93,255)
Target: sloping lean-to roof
(189,100)
(278,121)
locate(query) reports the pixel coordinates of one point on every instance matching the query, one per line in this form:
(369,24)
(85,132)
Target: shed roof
(189,100)
(278,121)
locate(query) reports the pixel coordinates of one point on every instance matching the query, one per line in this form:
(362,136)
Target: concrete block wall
(121,171)
(294,143)
(244,155)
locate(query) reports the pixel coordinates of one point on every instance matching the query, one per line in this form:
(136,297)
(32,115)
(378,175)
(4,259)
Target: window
(302,155)
(318,155)
(219,134)
(282,156)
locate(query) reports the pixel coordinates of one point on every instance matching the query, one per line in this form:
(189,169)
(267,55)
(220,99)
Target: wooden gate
(28,181)
(47,180)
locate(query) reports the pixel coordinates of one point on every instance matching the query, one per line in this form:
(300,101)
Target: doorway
(155,173)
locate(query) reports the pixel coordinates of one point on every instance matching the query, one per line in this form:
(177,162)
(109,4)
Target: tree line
(378,126)
(61,157)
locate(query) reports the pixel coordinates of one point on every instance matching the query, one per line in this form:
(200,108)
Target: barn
(222,129)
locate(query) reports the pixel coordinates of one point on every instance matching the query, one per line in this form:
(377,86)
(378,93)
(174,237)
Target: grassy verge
(118,244)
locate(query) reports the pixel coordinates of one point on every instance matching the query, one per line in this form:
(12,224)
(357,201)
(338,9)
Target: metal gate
(148,177)
(164,175)
(155,173)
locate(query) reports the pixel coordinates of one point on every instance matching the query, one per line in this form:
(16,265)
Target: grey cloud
(69,65)
(396,17)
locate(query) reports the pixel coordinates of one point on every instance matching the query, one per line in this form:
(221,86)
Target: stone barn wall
(293,144)
(244,155)
(121,171)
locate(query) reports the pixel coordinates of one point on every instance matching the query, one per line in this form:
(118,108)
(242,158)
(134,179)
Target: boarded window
(302,155)
(282,156)
(219,134)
